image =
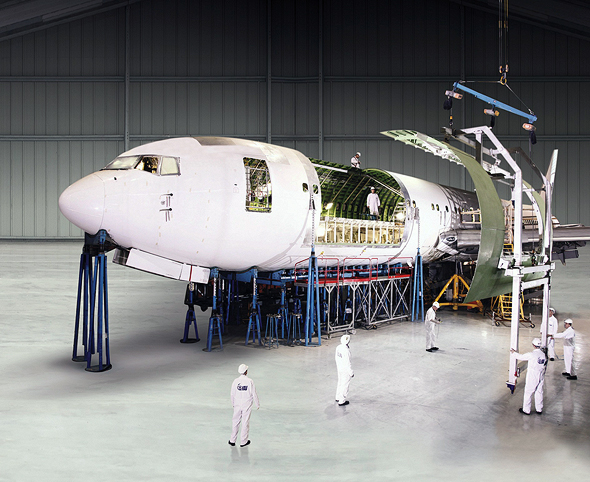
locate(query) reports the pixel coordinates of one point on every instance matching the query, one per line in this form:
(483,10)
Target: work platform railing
(365,293)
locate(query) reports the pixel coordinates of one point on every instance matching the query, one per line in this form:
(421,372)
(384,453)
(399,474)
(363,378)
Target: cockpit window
(169,166)
(159,165)
(148,164)
(123,163)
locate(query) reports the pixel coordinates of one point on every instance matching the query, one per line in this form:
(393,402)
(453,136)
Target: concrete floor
(163,412)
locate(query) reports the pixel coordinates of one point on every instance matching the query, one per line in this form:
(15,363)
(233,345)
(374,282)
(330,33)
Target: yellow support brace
(460,289)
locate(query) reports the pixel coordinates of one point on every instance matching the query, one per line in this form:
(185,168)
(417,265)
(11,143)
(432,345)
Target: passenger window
(305,187)
(316,189)
(432,205)
(169,166)
(258,186)
(437,208)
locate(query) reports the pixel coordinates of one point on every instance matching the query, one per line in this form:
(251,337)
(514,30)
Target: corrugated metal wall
(341,71)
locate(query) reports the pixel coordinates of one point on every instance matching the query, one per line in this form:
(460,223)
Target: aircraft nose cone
(83,203)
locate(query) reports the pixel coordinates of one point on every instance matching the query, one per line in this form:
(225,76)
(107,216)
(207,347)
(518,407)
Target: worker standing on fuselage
(355,161)
(373,204)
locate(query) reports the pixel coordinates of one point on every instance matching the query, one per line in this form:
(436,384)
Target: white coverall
(552,324)
(569,345)
(430,325)
(373,203)
(243,395)
(535,378)
(355,162)
(345,373)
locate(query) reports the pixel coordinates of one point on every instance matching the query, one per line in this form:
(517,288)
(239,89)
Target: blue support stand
(283,313)
(312,321)
(254,321)
(215,328)
(93,283)
(418,292)
(215,320)
(191,319)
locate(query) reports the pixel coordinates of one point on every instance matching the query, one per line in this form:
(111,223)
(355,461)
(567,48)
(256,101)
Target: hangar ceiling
(18,17)
(571,17)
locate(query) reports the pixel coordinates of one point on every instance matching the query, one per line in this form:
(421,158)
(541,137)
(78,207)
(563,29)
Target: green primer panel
(488,280)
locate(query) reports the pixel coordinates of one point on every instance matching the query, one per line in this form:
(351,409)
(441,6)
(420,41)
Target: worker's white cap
(552,309)
(358,154)
(372,188)
(435,304)
(345,339)
(242,369)
(569,321)
(537,342)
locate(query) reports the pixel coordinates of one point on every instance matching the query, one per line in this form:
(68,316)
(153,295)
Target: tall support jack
(215,320)
(255,319)
(312,317)
(418,290)
(191,319)
(95,331)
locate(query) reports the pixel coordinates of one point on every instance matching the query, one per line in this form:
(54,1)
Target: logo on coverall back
(242,388)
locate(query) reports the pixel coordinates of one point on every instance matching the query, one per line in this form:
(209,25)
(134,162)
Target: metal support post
(190,319)
(215,320)
(254,321)
(312,317)
(418,292)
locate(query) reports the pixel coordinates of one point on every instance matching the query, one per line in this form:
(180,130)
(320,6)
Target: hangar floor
(163,412)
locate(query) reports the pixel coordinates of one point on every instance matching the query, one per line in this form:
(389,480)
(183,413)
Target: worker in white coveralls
(552,325)
(373,203)
(430,322)
(344,366)
(243,396)
(569,345)
(355,161)
(535,377)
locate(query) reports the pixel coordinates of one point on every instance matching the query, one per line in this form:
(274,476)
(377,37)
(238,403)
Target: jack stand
(254,321)
(312,320)
(418,295)
(190,315)
(215,328)
(459,294)
(95,332)
(216,320)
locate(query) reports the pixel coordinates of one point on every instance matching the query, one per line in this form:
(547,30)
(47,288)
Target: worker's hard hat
(242,369)
(569,321)
(345,339)
(537,342)
(358,154)
(552,309)
(435,304)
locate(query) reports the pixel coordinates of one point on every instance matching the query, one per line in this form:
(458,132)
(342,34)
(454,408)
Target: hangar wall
(322,77)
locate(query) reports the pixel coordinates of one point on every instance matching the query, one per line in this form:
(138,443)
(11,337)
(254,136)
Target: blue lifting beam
(93,283)
(418,294)
(495,103)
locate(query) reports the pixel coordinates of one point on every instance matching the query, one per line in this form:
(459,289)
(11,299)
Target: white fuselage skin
(199,216)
